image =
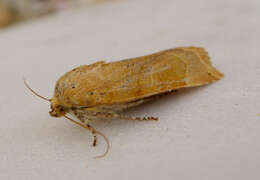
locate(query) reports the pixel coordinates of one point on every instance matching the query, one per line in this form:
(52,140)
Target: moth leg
(148,118)
(106,115)
(90,128)
(93,113)
(93,131)
(82,120)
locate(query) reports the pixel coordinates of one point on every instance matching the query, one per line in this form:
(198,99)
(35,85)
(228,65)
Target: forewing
(132,79)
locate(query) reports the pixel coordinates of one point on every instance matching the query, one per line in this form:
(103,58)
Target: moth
(104,90)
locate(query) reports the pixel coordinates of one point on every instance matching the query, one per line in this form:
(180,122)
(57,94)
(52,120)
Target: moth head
(57,110)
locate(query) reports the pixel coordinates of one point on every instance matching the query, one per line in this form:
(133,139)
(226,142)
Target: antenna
(25,83)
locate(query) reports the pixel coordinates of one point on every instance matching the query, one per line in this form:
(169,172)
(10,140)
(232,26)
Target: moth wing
(134,79)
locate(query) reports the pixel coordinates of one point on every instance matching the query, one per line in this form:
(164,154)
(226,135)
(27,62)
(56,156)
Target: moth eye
(91,93)
(60,108)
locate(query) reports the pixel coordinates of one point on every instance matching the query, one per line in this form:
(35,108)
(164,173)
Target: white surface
(210,132)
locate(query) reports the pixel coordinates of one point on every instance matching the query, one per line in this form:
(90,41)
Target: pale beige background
(206,133)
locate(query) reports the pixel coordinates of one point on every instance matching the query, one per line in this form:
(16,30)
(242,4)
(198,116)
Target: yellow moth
(103,90)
